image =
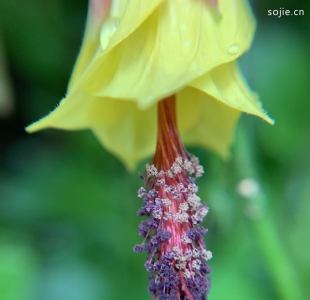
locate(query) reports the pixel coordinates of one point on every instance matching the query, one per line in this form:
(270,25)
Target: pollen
(166,202)
(207,255)
(196,264)
(176,254)
(194,201)
(196,253)
(186,240)
(157,214)
(183,207)
(188,166)
(176,168)
(181,217)
(181,265)
(187,274)
(179,160)
(160,182)
(169,173)
(167,215)
(150,170)
(176,250)
(182,188)
(193,187)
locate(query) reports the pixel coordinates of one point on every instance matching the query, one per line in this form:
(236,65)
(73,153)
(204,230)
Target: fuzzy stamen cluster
(173,237)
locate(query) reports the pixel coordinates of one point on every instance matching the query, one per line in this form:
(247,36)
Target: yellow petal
(123,129)
(98,11)
(214,127)
(202,120)
(146,50)
(133,138)
(130,133)
(226,84)
(178,42)
(124,17)
(81,110)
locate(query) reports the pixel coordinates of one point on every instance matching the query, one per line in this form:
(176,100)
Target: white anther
(169,174)
(194,201)
(199,171)
(167,216)
(181,217)
(181,265)
(196,253)
(160,174)
(160,182)
(183,207)
(176,251)
(196,264)
(207,255)
(195,160)
(192,187)
(185,239)
(157,214)
(182,258)
(141,192)
(179,160)
(167,188)
(176,195)
(187,165)
(176,168)
(196,219)
(166,202)
(203,210)
(182,188)
(150,170)
(189,254)
(187,274)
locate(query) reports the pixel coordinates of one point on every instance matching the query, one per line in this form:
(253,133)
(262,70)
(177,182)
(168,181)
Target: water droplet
(108,29)
(114,26)
(184,26)
(187,43)
(234,49)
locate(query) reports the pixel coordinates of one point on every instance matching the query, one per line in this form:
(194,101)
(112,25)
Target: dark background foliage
(68,208)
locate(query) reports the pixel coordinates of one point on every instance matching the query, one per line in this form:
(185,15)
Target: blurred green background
(68,208)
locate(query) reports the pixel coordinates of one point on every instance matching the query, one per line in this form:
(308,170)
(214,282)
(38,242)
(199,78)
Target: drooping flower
(174,59)
(137,52)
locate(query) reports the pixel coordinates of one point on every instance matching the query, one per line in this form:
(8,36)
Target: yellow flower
(144,51)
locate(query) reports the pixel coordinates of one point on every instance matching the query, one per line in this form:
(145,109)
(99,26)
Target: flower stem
(277,260)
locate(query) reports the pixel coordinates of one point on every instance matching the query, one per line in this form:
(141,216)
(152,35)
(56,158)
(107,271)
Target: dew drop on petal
(107,31)
(234,49)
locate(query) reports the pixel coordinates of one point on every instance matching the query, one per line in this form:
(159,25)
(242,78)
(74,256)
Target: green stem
(280,267)
(277,260)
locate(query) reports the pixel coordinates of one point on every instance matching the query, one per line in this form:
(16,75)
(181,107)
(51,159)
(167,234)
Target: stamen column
(172,235)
